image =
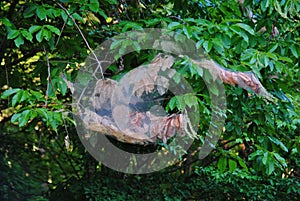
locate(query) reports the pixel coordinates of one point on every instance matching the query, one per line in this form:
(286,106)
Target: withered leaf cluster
(142,127)
(138,127)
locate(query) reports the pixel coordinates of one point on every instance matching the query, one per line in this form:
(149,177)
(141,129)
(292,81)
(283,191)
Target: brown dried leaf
(246,80)
(101,98)
(151,78)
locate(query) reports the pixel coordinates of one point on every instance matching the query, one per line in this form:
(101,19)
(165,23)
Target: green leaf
(264,5)
(213,89)
(266,158)
(174,25)
(152,22)
(54,119)
(172,103)
(232,165)
(25,116)
(37,95)
(29,11)
(278,9)
(278,142)
(16,98)
(34,28)
(39,36)
(272,56)
(46,34)
(9,92)
(102,13)
(294,50)
(64,16)
(112,2)
(61,85)
(245,27)
(199,43)
(77,17)
(136,46)
(43,112)
(235,29)
(180,37)
(255,154)
(6,22)
(240,32)
(244,36)
(222,164)
(281,160)
(218,45)
(116,44)
(177,78)
(25,96)
(180,103)
(27,35)
(226,41)
(132,25)
(270,167)
(53,29)
(285,59)
(15,117)
(125,44)
(274,48)
(247,54)
(207,45)
(199,71)
(41,12)
(13,33)
(190,100)
(242,163)
(94,5)
(54,12)
(187,31)
(23,119)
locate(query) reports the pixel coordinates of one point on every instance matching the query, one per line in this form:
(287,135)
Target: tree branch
(83,37)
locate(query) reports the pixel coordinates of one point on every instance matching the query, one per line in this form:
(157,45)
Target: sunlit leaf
(246,27)
(15,117)
(207,45)
(41,12)
(280,159)
(34,28)
(39,36)
(13,34)
(278,142)
(19,41)
(23,119)
(27,35)
(16,98)
(9,92)
(294,50)
(53,29)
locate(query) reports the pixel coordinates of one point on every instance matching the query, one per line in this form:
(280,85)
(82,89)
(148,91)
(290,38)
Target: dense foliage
(41,155)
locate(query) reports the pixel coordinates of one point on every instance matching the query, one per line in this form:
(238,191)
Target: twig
(86,42)
(48,78)
(7,80)
(60,33)
(69,159)
(177,18)
(80,97)
(67,138)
